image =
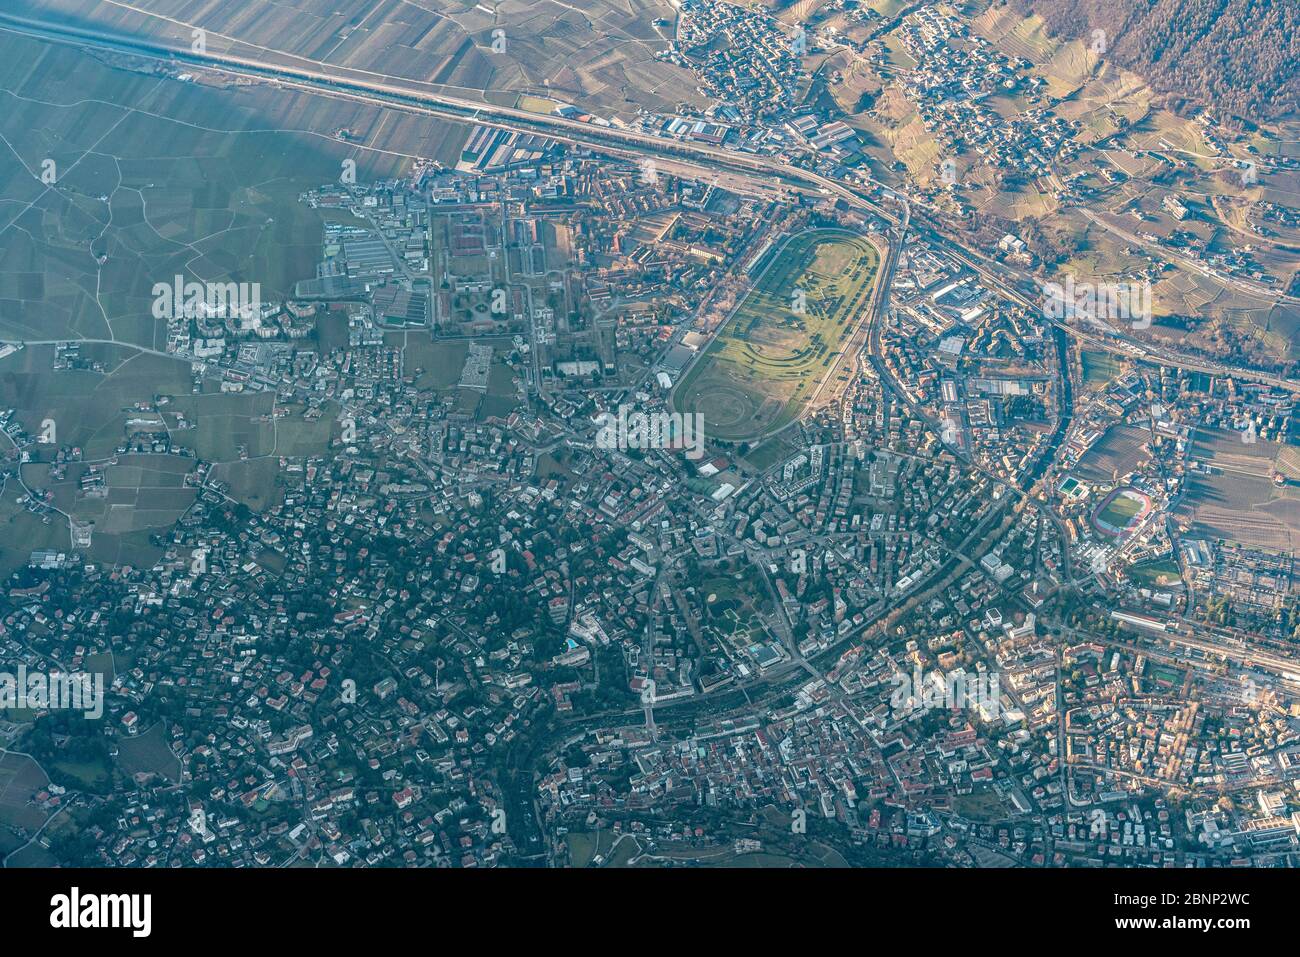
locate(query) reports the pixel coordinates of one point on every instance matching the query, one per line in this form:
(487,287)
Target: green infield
(780,344)
(1121,510)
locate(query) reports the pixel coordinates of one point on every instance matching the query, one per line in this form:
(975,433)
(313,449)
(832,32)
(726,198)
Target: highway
(392,92)
(876,354)
(760,173)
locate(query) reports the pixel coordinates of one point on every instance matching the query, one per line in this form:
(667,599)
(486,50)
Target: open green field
(769,358)
(20,779)
(149,752)
(769,453)
(1099,368)
(1123,506)
(984,805)
(1121,510)
(1162,572)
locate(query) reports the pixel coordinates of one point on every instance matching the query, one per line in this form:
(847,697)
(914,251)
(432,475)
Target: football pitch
(781,343)
(1120,511)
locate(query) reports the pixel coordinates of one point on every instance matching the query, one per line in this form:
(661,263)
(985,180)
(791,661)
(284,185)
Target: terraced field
(1238,501)
(783,340)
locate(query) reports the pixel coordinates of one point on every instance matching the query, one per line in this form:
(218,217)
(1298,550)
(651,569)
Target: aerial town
(748,483)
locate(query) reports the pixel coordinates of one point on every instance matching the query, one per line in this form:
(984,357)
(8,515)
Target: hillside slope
(1241,55)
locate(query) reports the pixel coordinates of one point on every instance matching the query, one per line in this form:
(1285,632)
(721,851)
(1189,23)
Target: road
(742,172)
(876,353)
(758,173)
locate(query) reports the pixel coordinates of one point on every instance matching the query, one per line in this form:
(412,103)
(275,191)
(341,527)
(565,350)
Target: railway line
(310,75)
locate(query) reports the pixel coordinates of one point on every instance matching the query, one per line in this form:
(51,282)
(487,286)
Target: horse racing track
(784,338)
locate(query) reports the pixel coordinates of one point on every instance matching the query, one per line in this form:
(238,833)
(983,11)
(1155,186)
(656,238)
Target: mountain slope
(1240,55)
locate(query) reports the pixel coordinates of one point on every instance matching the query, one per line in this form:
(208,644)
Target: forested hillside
(1241,55)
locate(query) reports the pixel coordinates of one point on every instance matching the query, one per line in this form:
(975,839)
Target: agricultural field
(598,54)
(156,178)
(20,779)
(1099,368)
(22,532)
(90,407)
(779,346)
(1238,502)
(144,193)
(144,494)
(1114,455)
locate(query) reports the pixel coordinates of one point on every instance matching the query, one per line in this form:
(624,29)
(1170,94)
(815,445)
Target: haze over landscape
(636,434)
